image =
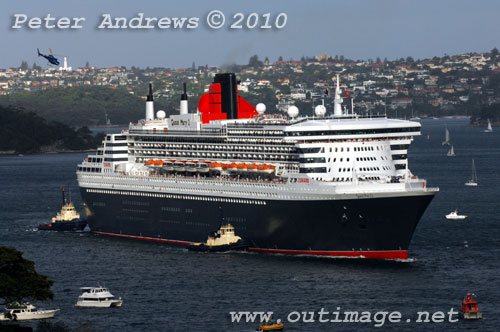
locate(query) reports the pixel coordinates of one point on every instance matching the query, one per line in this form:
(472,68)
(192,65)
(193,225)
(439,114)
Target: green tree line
(26,132)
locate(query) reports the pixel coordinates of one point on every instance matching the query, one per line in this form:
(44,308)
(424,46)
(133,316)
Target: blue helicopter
(52,59)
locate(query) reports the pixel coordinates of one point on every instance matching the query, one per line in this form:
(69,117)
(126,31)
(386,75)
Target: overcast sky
(357,29)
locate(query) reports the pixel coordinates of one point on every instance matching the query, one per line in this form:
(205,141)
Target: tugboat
(271,325)
(25,311)
(67,220)
(223,240)
(469,309)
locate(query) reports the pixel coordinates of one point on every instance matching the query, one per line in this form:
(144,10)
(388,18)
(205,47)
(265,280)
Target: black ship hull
(368,227)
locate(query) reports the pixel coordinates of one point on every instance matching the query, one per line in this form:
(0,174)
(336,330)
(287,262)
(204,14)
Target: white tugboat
(97,297)
(455,216)
(223,240)
(25,311)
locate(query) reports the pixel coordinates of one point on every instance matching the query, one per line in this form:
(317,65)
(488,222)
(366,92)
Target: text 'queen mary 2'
(335,185)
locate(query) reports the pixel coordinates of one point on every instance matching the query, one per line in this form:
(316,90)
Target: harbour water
(170,289)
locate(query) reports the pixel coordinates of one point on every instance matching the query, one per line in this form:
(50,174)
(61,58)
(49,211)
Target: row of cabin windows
(115,159)
(312,170)
(353,132)
(399,157)
(400,166)
(116,144)
(89,169)
(312,160)
(115,151)
(94,160)
(341,149)
(400,147)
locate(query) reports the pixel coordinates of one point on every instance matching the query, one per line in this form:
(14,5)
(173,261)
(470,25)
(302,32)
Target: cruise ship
(328,185)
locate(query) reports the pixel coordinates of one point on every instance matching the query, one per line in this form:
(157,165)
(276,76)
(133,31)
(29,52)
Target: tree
(24,65)
(19,280)
(378,60)
(254,61)
(494,52)
(280,58)
(87,64)
(193,66)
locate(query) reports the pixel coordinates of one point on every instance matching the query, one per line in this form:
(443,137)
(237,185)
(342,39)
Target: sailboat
(472,182)
(489,129)
(451,153)
(446,137)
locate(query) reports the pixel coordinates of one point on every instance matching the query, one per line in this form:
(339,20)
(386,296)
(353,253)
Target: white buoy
(261,108)
(293,111)
(320,110)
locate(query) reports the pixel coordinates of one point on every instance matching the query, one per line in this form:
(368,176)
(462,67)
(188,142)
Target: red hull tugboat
(469,309)
(68,220)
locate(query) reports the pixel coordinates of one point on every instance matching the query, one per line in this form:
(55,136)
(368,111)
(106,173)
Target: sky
(356,29)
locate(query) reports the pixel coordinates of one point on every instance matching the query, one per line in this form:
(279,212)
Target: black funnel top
(229,96)
(184,96)
(150,96)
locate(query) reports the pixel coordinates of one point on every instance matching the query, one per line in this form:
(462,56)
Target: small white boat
(97,297)
(489,129)
(451,152)
(455,216)
(25,311)
(473,181)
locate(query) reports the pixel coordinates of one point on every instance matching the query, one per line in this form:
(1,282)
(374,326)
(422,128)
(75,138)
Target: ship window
(341,159)
(341,149)
(336,149)
(347,159)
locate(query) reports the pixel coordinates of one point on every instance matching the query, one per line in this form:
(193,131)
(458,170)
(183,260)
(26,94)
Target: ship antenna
(63,196)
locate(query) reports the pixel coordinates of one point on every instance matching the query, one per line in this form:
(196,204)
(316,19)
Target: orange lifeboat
(242,167)
(253,168)
(149,162)
(158,163)
(233,167)
(268,169)
(215,166)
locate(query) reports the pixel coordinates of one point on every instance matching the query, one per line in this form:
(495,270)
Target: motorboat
(25,311)
(469,308)
(97,297)
(455,216)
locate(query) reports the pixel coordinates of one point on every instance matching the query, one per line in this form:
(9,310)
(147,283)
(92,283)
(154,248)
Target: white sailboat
(446,137)
(489,129)
(451,152)
(472,182)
